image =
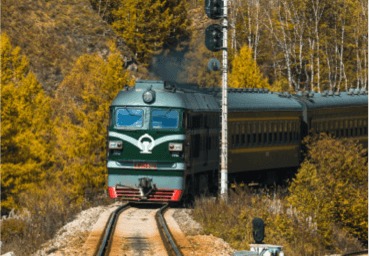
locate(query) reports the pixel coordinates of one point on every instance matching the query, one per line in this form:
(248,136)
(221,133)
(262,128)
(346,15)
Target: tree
(245,71)
(332,186)
(26,127)
(88,91)
(147,25)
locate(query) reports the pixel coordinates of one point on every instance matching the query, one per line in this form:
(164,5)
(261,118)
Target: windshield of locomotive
(164,119)
(129,117)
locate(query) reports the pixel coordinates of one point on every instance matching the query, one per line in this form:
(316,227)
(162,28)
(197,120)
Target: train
(164,137)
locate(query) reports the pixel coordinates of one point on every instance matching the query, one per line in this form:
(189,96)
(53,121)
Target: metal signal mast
(216,40)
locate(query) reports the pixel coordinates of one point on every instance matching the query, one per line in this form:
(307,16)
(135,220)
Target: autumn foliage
(332,186)
(82,105)
(26,127)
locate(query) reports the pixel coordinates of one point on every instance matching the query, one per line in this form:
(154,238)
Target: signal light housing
(214,9)
(214,38)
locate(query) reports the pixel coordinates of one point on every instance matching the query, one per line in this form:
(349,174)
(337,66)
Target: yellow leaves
(335,191)
(245,71)
(88,92)
(25,133)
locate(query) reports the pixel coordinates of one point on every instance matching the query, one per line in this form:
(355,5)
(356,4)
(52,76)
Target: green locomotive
(163,137)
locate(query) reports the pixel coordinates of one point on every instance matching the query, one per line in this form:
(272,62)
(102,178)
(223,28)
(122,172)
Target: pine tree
(245,71)
(25,126)
(82,133)
(147,24)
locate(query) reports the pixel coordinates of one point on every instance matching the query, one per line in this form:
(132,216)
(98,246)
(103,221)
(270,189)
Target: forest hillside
(64,61)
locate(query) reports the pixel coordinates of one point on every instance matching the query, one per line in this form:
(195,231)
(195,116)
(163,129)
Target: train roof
(261,101)
(191,96)
(332,100)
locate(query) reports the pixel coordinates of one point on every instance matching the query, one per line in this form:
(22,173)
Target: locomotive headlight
(115,144)
(175,146)
(148,96)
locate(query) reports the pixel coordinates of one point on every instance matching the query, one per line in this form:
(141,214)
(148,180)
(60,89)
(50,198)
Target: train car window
(355,127)
(243,134)
(248,142)
(270,132)
(365,126)
(254,133)
(360,128)
(233,135)
(351,129)
(265,133)
(285,132)
(297,131)
(280,132)
(290,131)
(341,129)
(260,126)
(337,131)
(346,128)
(275,131)
(237,132)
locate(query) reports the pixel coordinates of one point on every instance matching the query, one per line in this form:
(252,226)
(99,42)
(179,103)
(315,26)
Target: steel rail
(356,253)
(109,230)
(165,234)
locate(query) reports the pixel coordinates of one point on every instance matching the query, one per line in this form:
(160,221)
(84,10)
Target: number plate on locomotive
(144,166)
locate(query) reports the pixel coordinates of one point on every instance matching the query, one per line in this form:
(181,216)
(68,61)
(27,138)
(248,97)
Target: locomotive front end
(145,148)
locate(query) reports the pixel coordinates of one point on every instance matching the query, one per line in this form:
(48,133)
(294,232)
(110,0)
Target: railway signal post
(215,40)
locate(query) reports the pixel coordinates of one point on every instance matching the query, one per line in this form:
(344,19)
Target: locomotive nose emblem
(144,145)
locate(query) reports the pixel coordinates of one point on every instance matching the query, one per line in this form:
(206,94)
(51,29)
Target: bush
(332,185)
(232,221)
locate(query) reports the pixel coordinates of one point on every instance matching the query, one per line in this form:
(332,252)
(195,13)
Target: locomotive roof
(186,95)
(328,100)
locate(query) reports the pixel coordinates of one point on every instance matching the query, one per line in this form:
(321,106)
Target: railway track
(361,253)
(138,229)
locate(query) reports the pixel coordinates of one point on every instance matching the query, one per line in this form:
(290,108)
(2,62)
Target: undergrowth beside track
(232,221)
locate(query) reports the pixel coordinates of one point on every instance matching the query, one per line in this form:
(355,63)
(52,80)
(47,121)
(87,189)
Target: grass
(232,221)
(50,209)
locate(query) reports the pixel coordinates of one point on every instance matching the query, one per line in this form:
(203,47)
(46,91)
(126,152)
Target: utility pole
(216,40)
(224,149)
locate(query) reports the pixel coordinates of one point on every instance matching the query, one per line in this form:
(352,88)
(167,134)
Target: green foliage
(332,185)
(26,134)
(245,71)
(87,92)
(148,24)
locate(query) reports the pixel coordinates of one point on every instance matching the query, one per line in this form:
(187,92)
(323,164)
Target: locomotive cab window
(129,118)
(164,119)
